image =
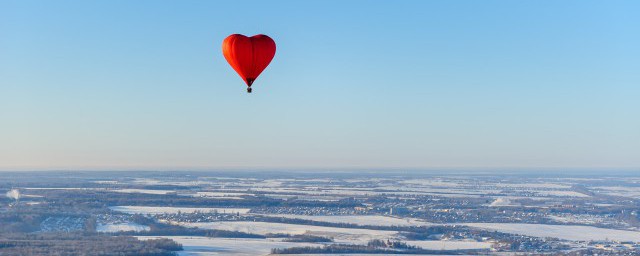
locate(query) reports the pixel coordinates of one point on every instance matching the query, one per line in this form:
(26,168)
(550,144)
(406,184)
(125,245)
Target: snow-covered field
(358,219)
(503,201)
(533,185)
(560,193)
(146,181)
(144,191)
(218,195)
(116,227)
(367,192)
(631,192)
(63,188)
(340,235)
(450,245)
(209,246)
(151,210)
(568,232)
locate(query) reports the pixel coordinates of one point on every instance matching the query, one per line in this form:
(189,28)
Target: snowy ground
(358,219)
(116,227)
(450,245)
(549,186)
(340,235)
(209,246)
(144,191)
(561,193)
(503,201)
(367,192)
(630,192)
(63,188)
(568,232)
(217,195)
(160,210)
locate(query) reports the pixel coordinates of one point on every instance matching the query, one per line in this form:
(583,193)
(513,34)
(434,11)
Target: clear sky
(421,84)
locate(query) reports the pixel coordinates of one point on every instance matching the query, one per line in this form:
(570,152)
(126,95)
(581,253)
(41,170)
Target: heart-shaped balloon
(248,56)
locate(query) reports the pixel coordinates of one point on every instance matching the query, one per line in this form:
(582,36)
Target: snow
(561,193)
(432,182)
(209,246)
(503,202)
(109,182)
(568,232)
(116,227)
(63,188)
(367,192)
(144,191)
(630,192)
(13,194)
(373,220)
(32,196)
(341,235)
(218,195)
(450,245)
(146,181)
(533,185)
(160,210)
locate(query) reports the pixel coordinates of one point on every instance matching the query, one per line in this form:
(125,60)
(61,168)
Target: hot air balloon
(248,56)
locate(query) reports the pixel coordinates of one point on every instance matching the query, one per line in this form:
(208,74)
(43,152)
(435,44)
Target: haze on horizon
(416,84)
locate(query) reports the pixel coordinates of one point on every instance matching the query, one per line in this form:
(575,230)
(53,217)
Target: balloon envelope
(248,56)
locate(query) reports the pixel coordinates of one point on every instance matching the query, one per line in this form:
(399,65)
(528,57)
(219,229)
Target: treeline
(411,232)
(307,239)
(373,247)
(63,243)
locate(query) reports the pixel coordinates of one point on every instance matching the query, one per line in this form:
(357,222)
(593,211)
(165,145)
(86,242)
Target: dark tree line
(308,239)
(63,243)
(373,247)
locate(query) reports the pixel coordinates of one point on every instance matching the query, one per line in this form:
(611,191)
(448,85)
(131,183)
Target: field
(224,214)
(206,246)
(113,228)
(340,235)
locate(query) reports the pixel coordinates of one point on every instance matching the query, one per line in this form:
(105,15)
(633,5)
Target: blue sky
(354,84)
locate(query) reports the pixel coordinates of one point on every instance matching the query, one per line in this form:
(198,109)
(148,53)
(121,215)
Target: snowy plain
(210,246)
(117,227)
(340,235)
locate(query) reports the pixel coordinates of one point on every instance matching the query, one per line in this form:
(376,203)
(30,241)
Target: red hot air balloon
(248,56)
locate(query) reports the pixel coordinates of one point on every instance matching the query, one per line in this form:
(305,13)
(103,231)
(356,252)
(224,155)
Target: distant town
(320,213)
